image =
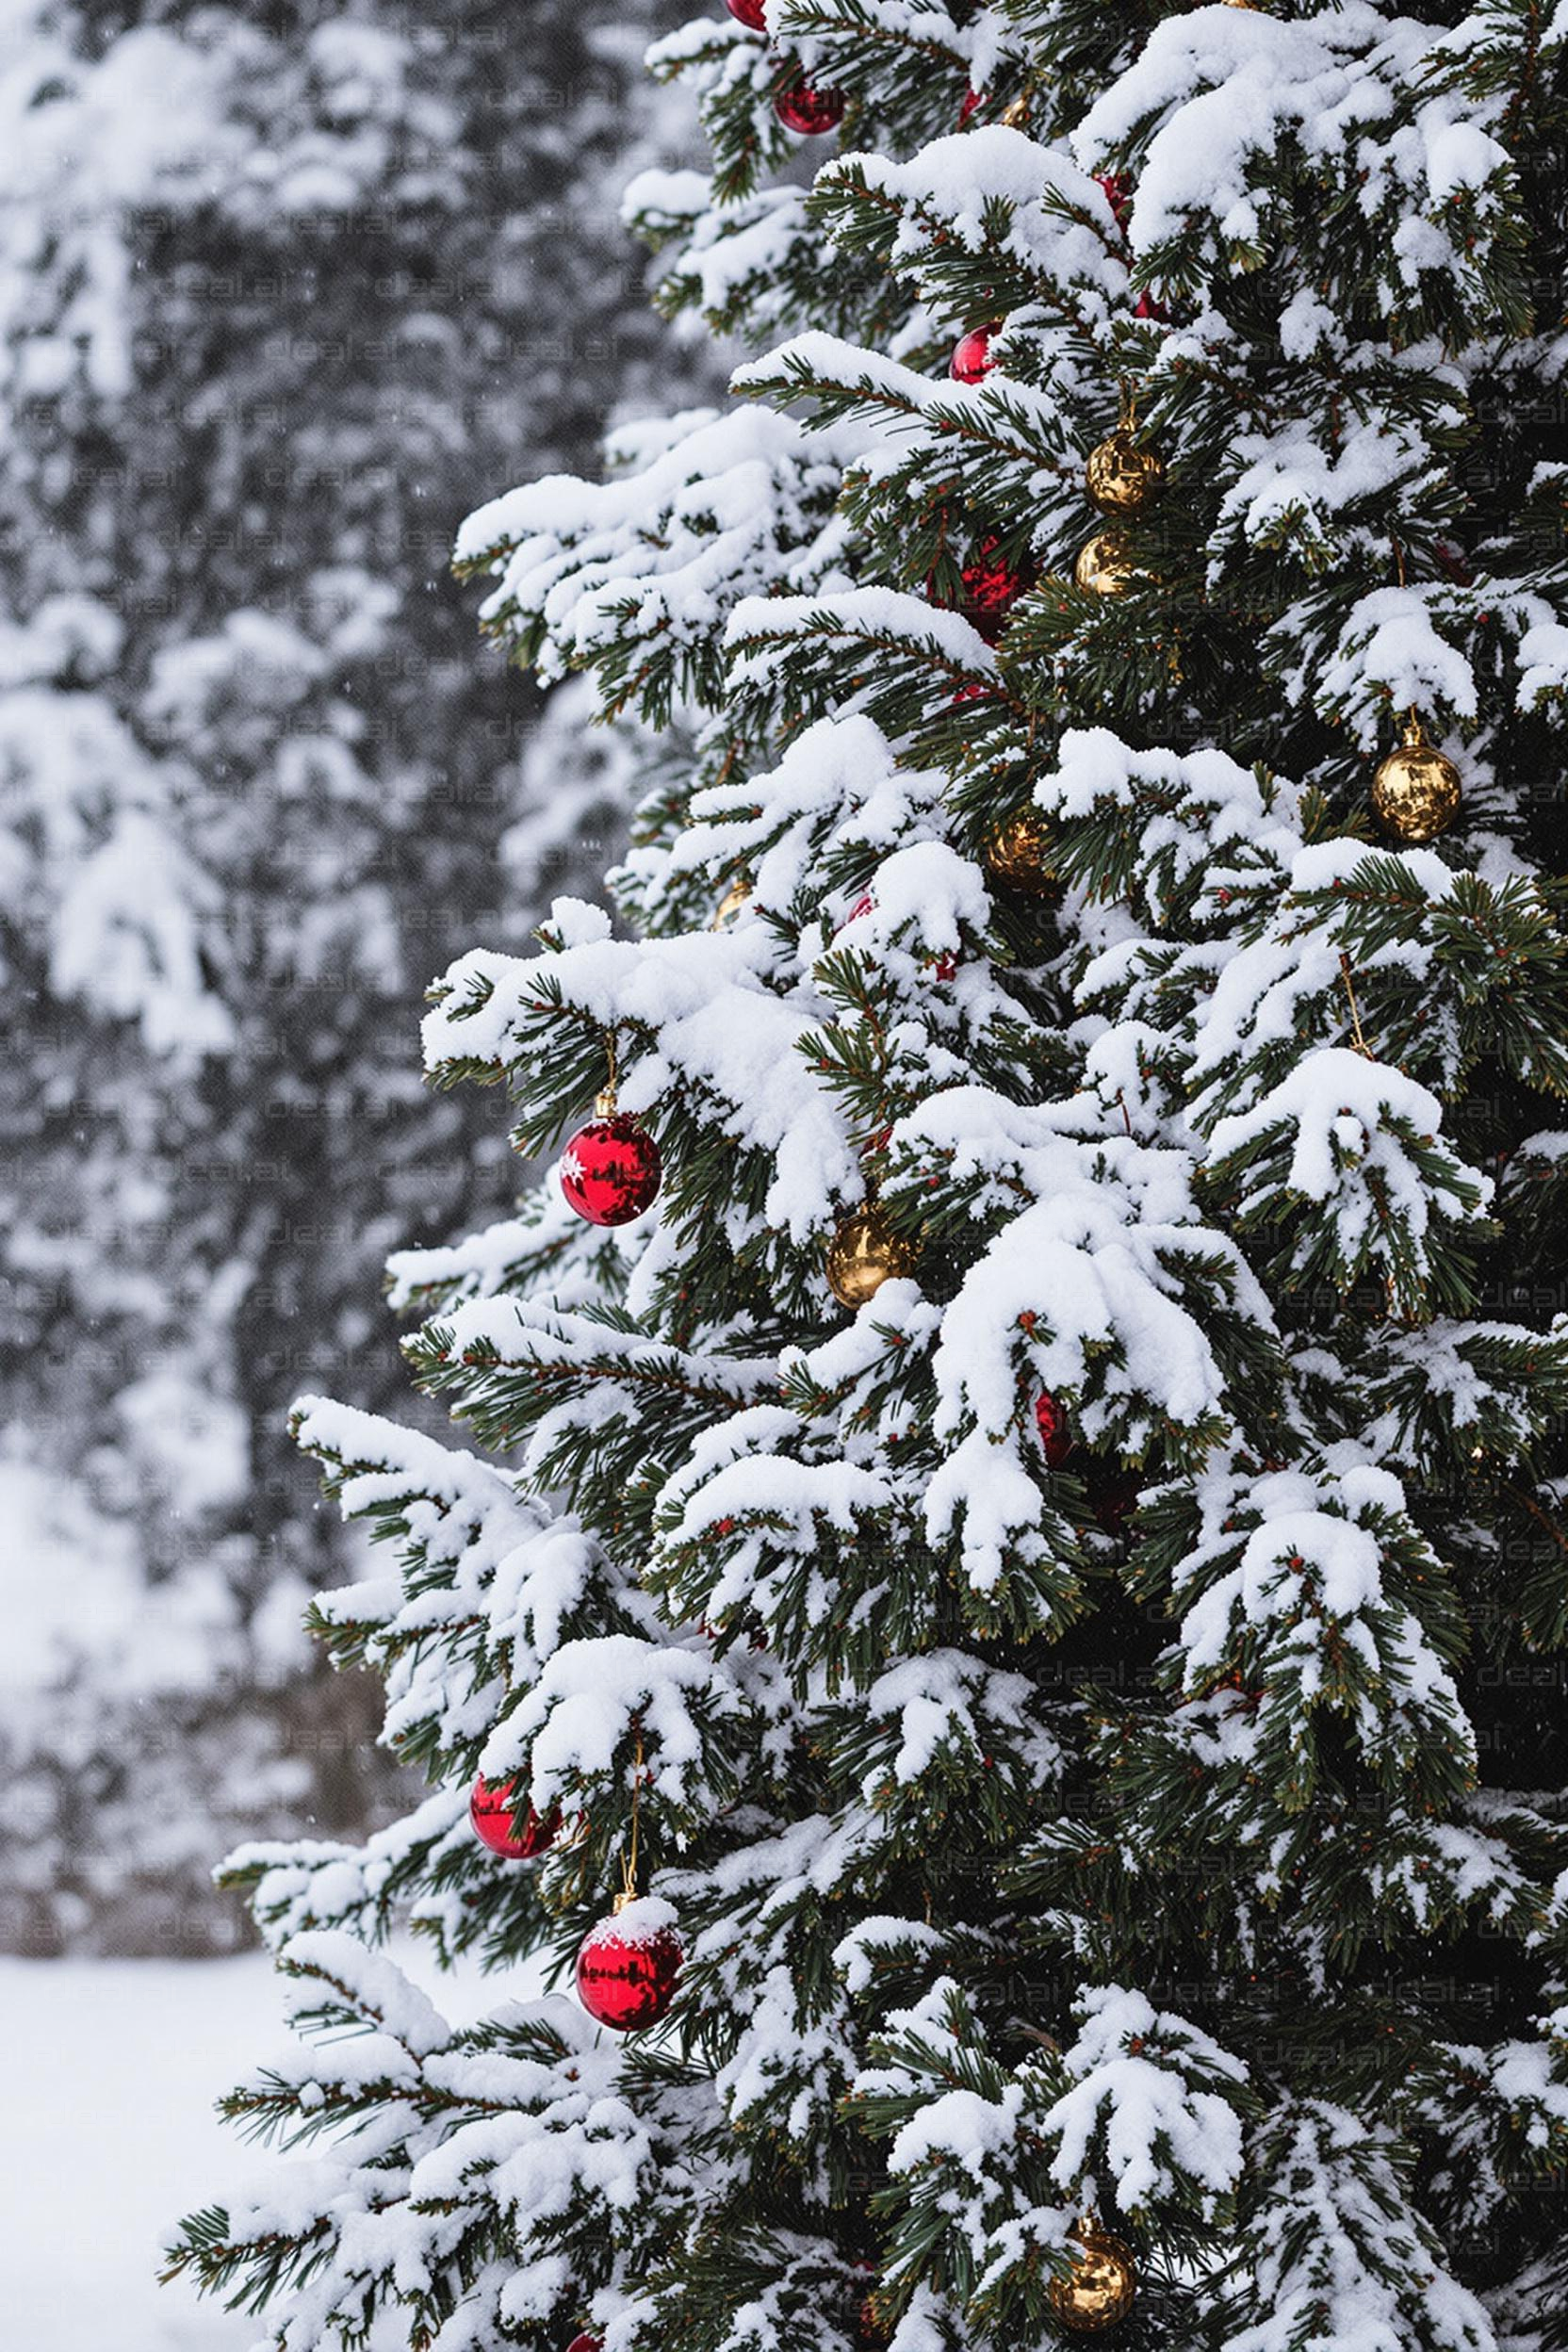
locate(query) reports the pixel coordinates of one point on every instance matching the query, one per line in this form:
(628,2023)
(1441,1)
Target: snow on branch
(633,578)
(1343,2261)
(1317,1593)
(1344,1159)
(1044,226)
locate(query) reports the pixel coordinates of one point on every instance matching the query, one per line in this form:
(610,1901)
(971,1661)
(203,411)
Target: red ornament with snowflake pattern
(610,1170)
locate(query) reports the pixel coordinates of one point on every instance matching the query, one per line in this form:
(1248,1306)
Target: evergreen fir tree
(1093,1712)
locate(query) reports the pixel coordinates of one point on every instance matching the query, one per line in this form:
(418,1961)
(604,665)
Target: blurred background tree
(283,291)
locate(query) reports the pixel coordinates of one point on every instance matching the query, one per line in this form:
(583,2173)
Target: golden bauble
(1100,2288)
(1019,853)
(1106,566)
(729,905)
(864,1254)
(1122,476)
(1415,792)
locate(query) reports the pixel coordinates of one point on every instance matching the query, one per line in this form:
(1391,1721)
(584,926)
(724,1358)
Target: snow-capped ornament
(1100,2288)
(1019,853)
(749,13)
(1416,790)
(627,1967)
(610,1170)
(491,1811)
(729,906)
(810,111)
(1122,476)
(972,361)
(864,1253)
(1105,564)
(1056,1432)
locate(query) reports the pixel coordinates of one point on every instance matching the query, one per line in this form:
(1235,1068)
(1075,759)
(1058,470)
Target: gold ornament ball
(1019,853)
(1105,564)
(1415,792)
(1100,2288)
(1122,476)
(730,904)
(864,1254)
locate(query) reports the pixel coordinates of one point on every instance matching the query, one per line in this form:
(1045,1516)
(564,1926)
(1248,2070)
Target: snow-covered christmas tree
(1005,1607)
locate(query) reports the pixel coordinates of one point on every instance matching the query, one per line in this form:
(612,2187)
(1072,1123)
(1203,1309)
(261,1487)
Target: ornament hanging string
(630,1858)
(1358,1040)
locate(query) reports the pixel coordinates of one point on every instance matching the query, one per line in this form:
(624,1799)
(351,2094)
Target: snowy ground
(109,2069)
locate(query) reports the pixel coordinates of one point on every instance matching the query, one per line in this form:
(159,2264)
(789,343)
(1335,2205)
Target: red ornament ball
(610,1170)
(1052,1422)
(587,2344)
(490,1809)
(627,1967)
(811,112)
(1116,194)
(972,361)
(972,100)
(990,589)
(749,13)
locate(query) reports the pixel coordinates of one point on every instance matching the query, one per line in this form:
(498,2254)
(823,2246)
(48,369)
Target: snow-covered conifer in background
(1092,1712)
(274,287)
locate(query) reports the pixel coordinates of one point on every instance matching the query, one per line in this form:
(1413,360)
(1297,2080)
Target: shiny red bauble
(490,1809)
(1052,1422)
(811,112)
(586,2343)
(972,100)
(627,1967)
(1116,194)
(610,1170)
(990,589)
(749,13)
(972,361)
